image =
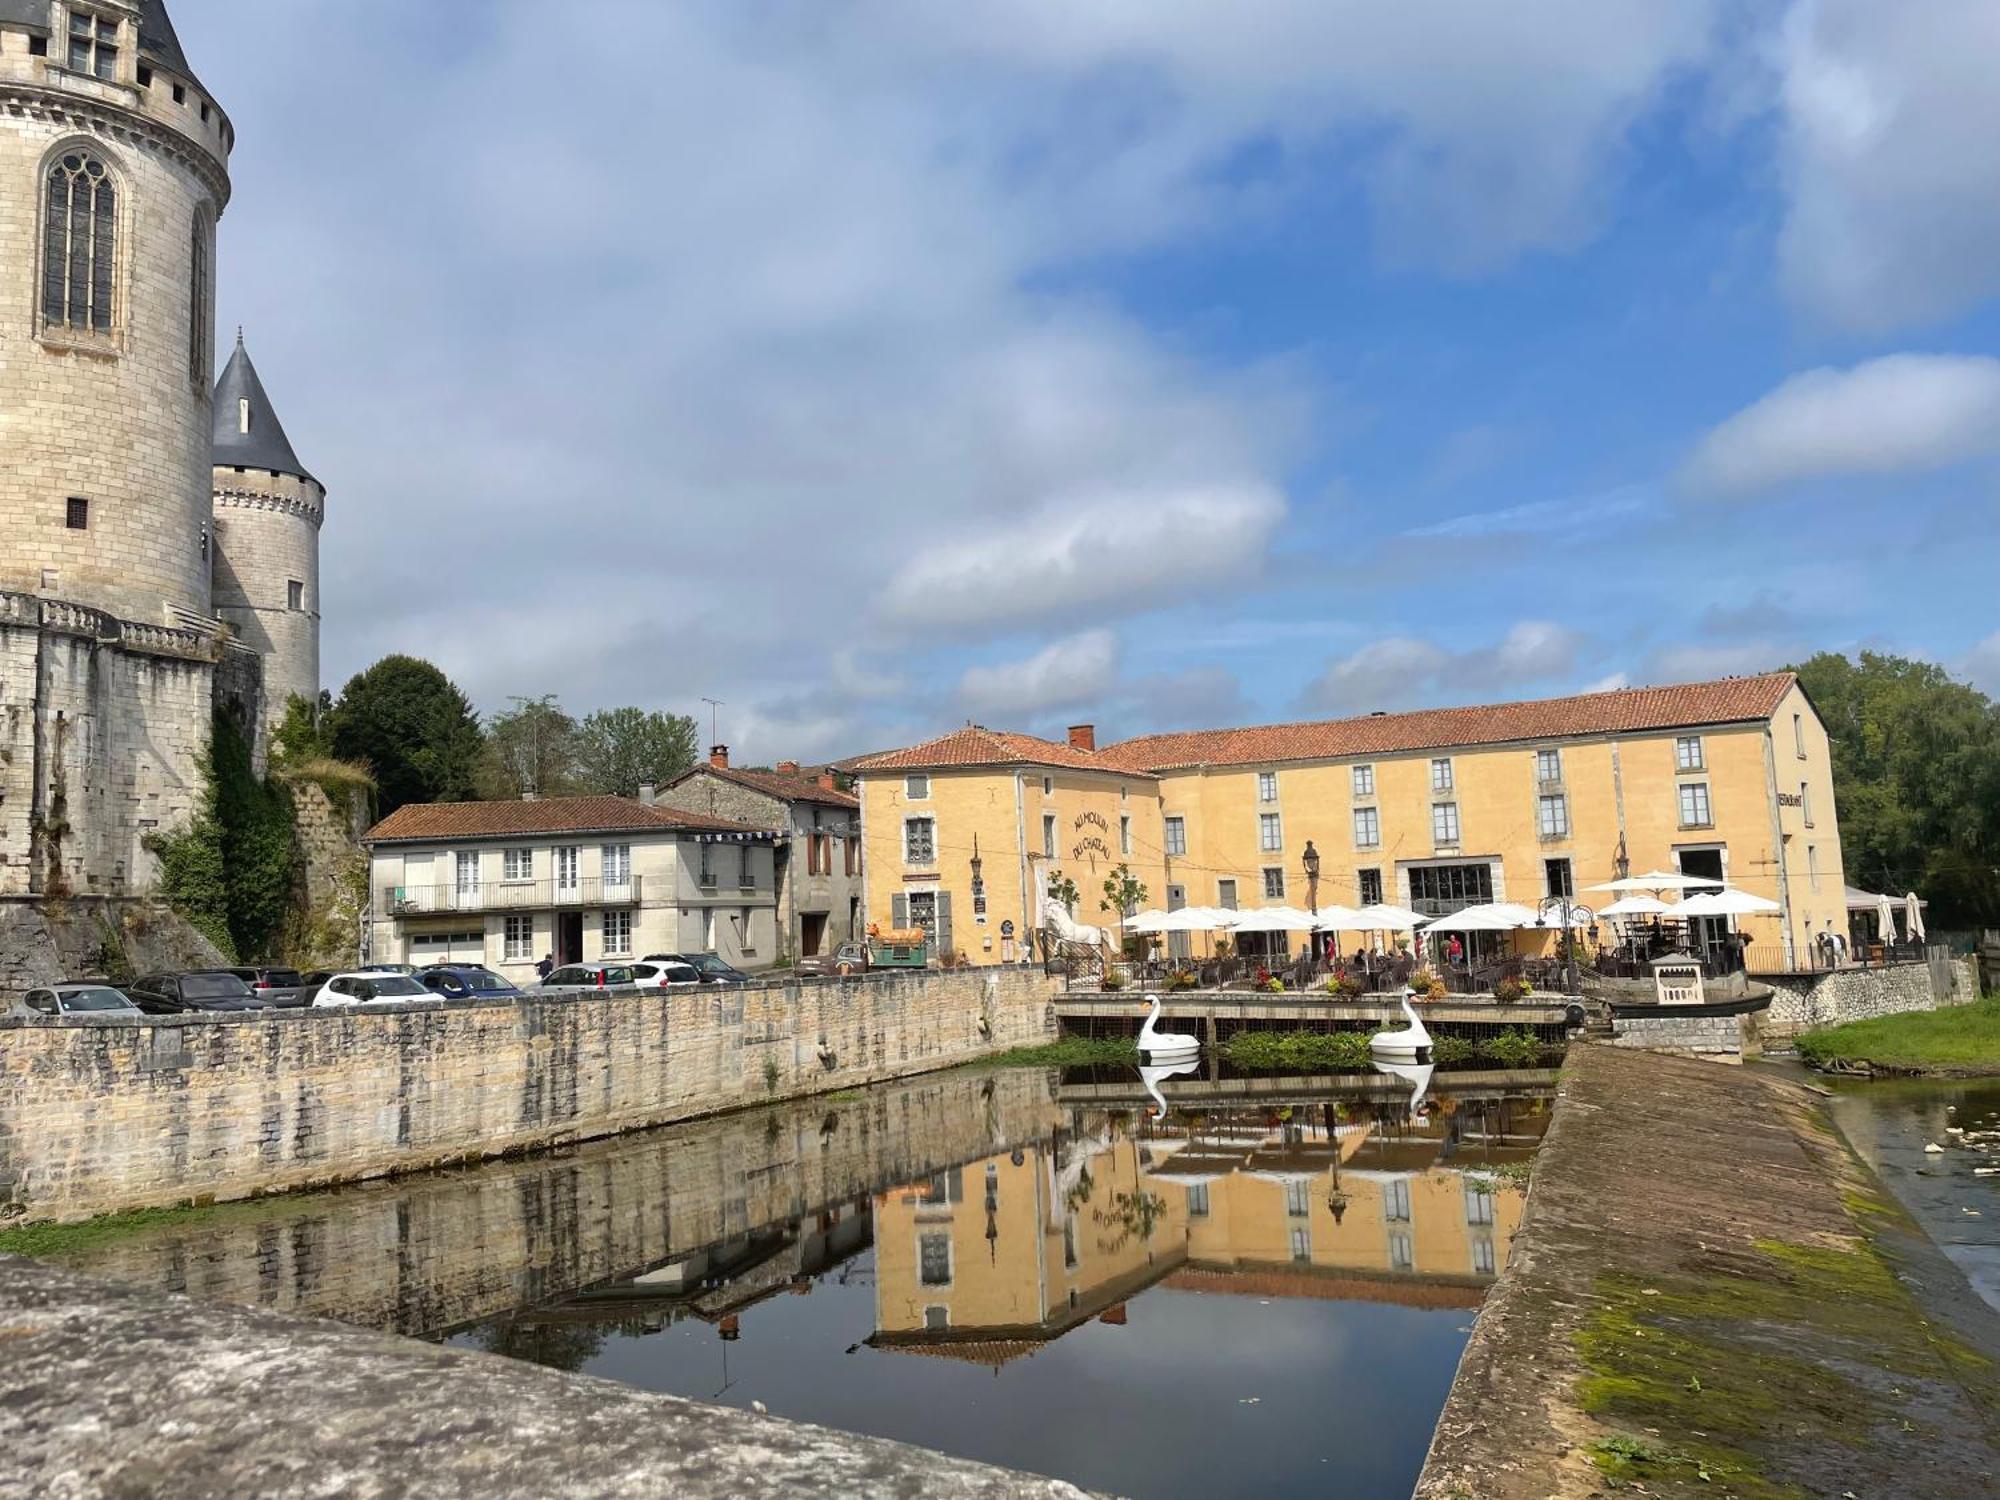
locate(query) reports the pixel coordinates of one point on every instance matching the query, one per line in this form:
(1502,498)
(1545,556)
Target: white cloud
(1890,115)
(1901,414)
(1690,662)
(1096,556)
(1403,671)
(1063,674)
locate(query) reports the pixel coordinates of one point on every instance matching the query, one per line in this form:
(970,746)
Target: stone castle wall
(429,1254)
(266,539)
(119,419)
(104,728)
(102,1116)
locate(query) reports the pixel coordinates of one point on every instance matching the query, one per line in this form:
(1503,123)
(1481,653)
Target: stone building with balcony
(1438,809)
(818,853)
(577,879)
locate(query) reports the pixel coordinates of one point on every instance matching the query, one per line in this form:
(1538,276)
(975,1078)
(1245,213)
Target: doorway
(1178,945)
(569,937)
(812,933)
(1708,936)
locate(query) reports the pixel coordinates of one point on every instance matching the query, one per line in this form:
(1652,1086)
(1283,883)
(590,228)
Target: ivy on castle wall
(233,871)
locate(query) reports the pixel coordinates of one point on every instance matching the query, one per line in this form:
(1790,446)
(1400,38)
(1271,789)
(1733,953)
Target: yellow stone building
(1435,809)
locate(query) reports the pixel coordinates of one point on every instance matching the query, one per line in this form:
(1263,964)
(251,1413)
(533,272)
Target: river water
(1262,1288)
(1954,1192)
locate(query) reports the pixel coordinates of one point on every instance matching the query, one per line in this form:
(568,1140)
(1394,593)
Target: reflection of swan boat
(1164,1046)
(1411,1044)
(1417,1075)
(1151,1074)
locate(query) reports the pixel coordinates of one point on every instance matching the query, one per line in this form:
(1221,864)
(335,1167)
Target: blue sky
(880,365)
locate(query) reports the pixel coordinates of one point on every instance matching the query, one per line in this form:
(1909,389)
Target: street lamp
(1312,877)
(1569,913)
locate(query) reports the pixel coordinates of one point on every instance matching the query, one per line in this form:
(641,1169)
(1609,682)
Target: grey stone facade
(819,884)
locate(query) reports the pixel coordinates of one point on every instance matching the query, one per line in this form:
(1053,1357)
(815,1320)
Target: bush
(1268,983)
(1113,980)
(1509,991)
(1183,979)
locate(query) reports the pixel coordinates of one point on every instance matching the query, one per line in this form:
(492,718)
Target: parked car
(665,974)
(198,990)
(712,969)
(466,982)
(275,986)
(385,969)
(75,997)
(368,987)
(589,977)
(848,958)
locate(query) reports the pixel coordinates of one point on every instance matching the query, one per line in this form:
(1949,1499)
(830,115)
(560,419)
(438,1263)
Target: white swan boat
(1411,1044)
(1416,1075)
(1151,1074)
(1156,1046)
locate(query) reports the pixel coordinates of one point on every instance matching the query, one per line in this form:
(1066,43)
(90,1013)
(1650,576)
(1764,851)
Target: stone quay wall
(1725,1038)
(1804,1001)
(98,1117)
(429,1254)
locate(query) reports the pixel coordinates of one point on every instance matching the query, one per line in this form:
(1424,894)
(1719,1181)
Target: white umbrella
(1148,921)
(1658,880)
(1635,906)
(1727,902)
(1390,917)
(1492,916)
(1274,919)
(1885,919)
(1913,917)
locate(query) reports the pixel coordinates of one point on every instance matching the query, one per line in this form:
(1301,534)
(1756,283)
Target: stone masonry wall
(98,1117)
(429,1254)
(1802,1001)
(1720,1037)
(267,538)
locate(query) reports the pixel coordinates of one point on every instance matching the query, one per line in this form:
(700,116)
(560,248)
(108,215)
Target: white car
(665,975)
(372,988)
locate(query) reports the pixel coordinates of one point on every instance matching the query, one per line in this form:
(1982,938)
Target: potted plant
(1114,980)
(1508,991)
(1182,979)
(1268,983)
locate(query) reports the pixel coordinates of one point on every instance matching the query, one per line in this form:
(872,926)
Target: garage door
(447,948)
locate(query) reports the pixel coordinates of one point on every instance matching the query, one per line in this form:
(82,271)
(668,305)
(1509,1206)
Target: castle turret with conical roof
(268,510)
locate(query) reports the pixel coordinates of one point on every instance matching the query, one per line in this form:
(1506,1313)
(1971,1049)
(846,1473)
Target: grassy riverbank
(1961,1041)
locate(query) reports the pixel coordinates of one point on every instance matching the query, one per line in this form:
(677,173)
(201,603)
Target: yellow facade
(1199,835)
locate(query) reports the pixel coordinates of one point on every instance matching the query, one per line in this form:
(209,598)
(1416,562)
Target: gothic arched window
(80,233)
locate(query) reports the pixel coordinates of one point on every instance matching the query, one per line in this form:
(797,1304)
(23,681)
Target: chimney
(789,767)
(648,793)
(718,756)
(827,783)
(1083,736)
(530,795)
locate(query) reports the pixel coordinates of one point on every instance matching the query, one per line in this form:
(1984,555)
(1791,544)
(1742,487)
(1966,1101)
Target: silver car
(75,999)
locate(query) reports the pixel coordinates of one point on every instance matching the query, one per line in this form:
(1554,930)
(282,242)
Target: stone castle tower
(114,169)
(268,511)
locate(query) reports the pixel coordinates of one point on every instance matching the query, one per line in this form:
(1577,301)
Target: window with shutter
(899,910)
(944,923)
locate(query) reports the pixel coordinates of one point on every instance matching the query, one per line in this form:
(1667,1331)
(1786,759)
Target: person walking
(547,966)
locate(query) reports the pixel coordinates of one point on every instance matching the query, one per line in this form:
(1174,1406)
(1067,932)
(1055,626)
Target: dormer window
(243,414)
(93,45)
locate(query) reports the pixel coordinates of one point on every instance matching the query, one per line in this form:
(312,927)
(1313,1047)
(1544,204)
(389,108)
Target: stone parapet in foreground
(112,1391)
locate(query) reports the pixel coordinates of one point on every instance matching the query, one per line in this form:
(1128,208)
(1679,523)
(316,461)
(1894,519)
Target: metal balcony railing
(509,895)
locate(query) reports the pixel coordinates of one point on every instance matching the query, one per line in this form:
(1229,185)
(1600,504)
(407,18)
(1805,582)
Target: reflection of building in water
(717,1281)
(990,1260)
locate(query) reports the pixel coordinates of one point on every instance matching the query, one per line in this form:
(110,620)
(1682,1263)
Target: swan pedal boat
(1155,1044)
(1411,1044)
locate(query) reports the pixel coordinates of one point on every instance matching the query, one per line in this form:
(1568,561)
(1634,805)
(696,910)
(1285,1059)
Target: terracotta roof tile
(783,785)
(448,820)
(1623,711)
(976,745)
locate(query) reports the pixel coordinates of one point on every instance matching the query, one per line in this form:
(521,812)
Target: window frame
(1049,834)
(1226,895)
(1443,777)
(1799,735)
(1688,790)
(910,855)
(1568,882)
(1363,779)
(76,513)
(619,855)
(517,864)
(104,54)
(1556,826)
(1124,833)
(1682,760)
(517,948)
(295,595)
(910,784)
(1372,837)
(1173,834)
(201,317)
(1267,788)
(1270,833)
(1805,803)
(1362,877)
(1549,766)
(109,286)
(1445,828)
(621,921)
(1274,882)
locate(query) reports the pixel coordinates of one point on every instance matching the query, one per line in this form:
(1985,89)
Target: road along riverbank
(1711,1295)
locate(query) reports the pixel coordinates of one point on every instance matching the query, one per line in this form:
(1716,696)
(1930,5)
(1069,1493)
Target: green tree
(618,748)
(413,729)
(1063,891)
(305,732)
(531,747)
(1916,772)
(1124,894)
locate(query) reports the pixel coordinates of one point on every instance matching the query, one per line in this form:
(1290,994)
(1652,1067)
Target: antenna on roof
(713,705)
